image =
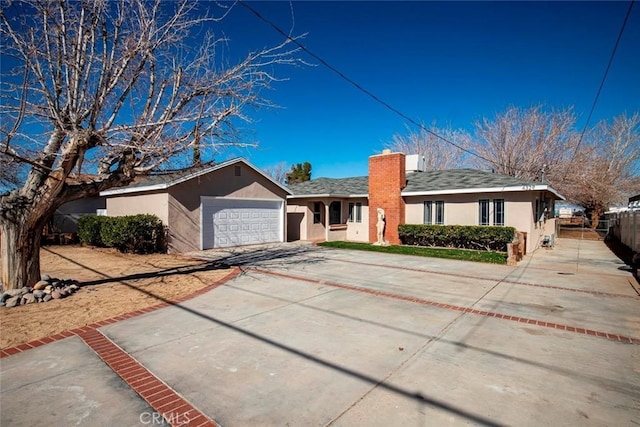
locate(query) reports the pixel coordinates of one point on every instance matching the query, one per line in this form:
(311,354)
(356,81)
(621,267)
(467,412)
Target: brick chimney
(386,180)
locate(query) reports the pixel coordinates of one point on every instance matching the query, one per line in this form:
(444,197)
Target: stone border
(5,352)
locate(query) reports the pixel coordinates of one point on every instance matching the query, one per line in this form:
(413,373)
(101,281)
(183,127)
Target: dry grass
(113,284)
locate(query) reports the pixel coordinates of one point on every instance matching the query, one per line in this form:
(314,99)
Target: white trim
(212,168)
(327,195)
(541,187)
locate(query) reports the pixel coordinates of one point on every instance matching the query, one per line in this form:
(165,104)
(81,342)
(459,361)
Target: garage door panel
(229,222)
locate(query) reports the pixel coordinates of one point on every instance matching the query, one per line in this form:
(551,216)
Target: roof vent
(386,151)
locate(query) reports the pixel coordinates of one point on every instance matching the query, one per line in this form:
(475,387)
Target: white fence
(626,227)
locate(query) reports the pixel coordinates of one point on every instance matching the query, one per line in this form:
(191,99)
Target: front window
(428,212)
(440,212)
(317,212)
(498,212)
(355,212)
(483,205)
(335,213)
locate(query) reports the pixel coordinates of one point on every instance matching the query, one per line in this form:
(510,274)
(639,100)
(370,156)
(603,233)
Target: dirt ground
(112,284)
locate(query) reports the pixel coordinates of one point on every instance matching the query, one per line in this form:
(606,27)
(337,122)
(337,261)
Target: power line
(410,119)
(360,87)
(604,78)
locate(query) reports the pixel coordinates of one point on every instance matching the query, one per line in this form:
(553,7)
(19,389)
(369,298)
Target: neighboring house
(65,220)
(227,204)
(344,209)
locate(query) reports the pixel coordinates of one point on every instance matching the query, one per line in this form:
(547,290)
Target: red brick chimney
(386,180)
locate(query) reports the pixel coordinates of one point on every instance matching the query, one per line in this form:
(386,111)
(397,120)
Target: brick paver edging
(164,400)
(468,276)
(583,331)
(5,352)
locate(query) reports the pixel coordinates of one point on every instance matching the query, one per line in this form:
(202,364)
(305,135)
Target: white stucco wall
(463,209)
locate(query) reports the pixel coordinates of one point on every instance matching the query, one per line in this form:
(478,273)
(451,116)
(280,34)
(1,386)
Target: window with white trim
(434,212)
(355,212)
(483,212)
(498,212)
(439,212)
(428,212)
(491,212)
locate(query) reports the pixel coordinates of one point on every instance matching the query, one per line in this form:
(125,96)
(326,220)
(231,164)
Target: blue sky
(448,62)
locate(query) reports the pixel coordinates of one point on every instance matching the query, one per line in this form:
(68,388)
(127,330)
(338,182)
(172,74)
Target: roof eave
(188,177)
(327,195)
(534,187)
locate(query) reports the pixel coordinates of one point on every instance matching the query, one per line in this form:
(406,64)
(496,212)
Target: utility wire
(604,78)
(358,86)
(411,120)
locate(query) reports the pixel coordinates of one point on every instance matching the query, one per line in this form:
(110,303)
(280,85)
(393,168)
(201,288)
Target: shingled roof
(429,182)
(164,180)
(332,187)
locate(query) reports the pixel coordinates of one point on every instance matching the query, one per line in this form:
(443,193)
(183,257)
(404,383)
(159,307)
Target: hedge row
(141,234)
(457,236)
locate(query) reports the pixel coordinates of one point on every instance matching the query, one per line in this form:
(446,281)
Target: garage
(228,222)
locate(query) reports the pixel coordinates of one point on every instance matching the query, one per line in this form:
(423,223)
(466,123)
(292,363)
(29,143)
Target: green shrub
(457,236)
(141,234)
(89,227)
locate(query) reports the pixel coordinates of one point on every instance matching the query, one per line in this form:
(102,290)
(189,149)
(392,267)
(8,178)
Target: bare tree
(606,169)
(438,154)
(9,174)
(277,172)
(112,89)
(521,142)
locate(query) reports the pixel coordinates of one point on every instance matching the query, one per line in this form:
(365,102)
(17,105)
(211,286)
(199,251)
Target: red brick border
(163,399)
(5,352)
(612,337)
(514,282)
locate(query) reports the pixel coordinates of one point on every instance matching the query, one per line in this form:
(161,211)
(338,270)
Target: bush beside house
(487,238)
(141,234)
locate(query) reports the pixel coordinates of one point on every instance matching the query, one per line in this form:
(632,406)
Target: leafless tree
(278,172)
(606,169)
(105,90)
(521,142)
(438,154)
(9,174)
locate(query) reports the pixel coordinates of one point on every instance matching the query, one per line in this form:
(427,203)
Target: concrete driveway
(313,336)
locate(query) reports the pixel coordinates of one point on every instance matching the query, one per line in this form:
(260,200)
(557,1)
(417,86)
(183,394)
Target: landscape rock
(14,292)
(42,291)
(41,285)
(28,298)
(13,301)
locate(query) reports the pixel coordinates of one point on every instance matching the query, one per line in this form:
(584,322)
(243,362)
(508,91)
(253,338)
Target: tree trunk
(595,218)
(19,252)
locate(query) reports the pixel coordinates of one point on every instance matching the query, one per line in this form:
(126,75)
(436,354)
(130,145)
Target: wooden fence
(626,227)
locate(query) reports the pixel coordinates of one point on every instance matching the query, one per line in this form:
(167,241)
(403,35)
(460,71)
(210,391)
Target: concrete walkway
(313,336)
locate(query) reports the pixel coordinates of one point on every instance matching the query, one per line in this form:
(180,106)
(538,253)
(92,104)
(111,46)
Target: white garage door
(236,222)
